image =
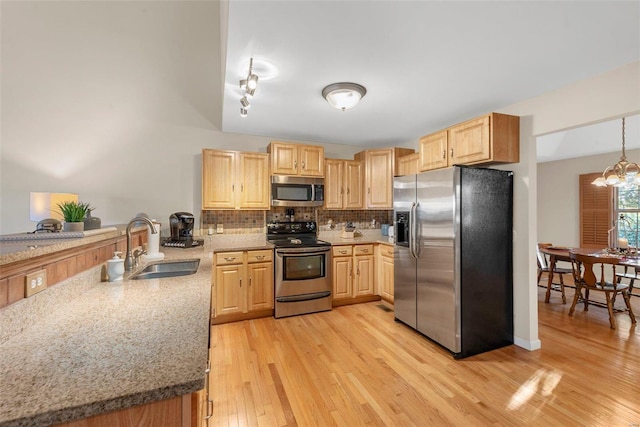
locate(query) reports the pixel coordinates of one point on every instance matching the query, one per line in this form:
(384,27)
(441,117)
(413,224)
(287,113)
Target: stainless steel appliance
(181,225)
(453,257)
(295,191)
(302,269)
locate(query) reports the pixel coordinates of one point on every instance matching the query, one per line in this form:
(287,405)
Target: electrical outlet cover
(35,282)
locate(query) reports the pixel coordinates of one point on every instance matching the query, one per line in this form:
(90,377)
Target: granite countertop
(368,237)
(85,347)
(236,242)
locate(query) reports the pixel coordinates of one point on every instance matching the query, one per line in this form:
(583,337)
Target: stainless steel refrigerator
(453,257)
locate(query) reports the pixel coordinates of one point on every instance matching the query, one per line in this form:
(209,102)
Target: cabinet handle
(241,187)
(358,271)
(209,409)
(233,187)
(229,259)
(365,250)
(342,251)
(295,164)
(389,253)
(303,167)
(240,282)
(347,191)
(444,154)
(452,152)
(259,256)
(250,279)
(351,272)
(369,190)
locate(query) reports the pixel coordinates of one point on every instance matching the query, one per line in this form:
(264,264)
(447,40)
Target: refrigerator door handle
(411,230)
(414,231)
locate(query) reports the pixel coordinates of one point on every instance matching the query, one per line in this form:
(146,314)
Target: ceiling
(426,64)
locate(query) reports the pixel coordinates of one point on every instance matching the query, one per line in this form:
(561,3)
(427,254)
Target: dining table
(563,253)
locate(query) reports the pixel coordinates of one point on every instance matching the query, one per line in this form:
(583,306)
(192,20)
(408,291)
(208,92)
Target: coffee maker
(181,224)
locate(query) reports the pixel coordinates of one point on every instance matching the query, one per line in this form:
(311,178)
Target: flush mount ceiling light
(249,86)
(623,173)
(344,95)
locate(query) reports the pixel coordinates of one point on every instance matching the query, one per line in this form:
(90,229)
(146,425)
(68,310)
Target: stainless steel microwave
(296,191)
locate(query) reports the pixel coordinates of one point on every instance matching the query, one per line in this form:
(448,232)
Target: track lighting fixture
(249,86)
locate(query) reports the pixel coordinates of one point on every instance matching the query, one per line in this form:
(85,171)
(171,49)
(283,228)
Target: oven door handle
(301,252)
(304,297)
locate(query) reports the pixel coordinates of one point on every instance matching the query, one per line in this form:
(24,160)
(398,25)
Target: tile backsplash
(246,222)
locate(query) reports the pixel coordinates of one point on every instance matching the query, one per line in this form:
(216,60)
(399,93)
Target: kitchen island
(85,347)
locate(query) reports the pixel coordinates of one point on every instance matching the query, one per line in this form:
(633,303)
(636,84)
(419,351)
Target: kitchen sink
(161,269)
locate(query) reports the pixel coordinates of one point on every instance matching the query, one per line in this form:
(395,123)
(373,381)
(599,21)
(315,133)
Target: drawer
(225,258)
(342,251)
(364,250)
(260,256)
(386,251)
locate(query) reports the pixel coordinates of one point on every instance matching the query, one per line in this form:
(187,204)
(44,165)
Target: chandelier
(249,86)
(623,173)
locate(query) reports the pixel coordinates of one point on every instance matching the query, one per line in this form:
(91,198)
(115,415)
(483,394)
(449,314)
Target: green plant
(74,211)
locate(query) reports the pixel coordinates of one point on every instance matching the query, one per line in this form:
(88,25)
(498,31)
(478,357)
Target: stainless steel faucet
(129,260)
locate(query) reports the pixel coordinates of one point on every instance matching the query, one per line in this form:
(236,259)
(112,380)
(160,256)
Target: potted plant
(74,214)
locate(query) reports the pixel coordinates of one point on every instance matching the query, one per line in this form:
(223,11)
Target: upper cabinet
(296,159)
(235,180)
(343,184)
(408,164)
(380,168)
(493,138)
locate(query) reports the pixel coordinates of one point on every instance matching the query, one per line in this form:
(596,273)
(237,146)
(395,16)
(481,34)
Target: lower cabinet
(384,273)
(353,274)
(242,285)
(182,411)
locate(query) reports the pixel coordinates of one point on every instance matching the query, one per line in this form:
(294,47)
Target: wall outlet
(219,228)
(35,282)
(276,216)
(307,217)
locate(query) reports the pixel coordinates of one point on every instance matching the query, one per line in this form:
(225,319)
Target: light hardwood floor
(356,366)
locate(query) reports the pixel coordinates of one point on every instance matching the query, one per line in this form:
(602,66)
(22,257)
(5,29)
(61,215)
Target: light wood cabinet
(380,167)
(235,180)
(492,138)
(384,271)
(182,411)
(296,159)
(242,284)
(343,184)
(353,273)
(408,164)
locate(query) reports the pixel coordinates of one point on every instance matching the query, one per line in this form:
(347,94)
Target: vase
(92,222)
(73,226)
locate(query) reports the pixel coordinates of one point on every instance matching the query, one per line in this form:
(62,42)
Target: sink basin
(161,269)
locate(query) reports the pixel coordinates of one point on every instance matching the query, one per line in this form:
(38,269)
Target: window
(627,210)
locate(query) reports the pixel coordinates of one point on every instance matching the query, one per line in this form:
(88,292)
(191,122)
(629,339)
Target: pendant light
(623,173)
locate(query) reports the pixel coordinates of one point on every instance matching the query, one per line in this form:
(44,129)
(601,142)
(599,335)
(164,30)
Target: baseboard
(526,344)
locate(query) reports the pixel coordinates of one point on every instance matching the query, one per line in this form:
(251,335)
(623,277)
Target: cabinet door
(284,158)
(333,184)
(229,289)
(353,182)
(364,276)
(408,165)
(218,174)
(380,179)
(433,151)
(342,271)
(311,160)
(386,288)
(260,276)
(470,142)
(254,181)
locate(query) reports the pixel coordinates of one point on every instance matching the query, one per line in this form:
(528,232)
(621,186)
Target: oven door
(303,271)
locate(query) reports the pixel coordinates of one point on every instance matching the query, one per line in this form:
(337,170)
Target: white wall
(603,97)
(113,101)
(559,198)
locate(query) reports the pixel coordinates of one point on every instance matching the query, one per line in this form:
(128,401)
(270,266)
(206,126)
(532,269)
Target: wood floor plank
(356,366)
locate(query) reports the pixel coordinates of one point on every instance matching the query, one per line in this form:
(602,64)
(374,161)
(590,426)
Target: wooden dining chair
(585,269)
(543,267)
